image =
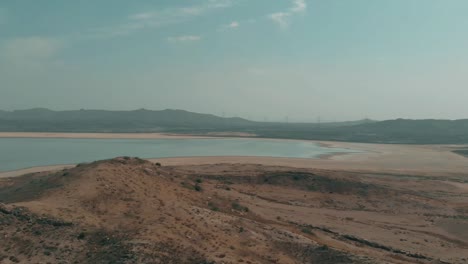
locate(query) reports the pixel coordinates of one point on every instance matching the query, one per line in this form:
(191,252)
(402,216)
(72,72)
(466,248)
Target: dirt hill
(128,210)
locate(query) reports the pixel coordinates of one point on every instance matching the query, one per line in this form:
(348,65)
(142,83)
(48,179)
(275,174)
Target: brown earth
(128,210)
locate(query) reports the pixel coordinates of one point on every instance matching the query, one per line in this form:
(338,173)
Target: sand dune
(129,210)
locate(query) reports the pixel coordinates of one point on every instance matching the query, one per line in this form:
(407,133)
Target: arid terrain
(129,210)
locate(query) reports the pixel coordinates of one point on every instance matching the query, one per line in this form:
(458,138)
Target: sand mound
(128,210)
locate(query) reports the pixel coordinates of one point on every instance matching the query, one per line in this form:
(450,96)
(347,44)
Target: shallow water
(20,153)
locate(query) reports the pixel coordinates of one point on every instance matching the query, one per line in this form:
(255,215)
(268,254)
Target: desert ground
(387,204)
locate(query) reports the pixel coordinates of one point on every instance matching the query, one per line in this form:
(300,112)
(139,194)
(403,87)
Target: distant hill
(403,131)
(410,131)
(45,120)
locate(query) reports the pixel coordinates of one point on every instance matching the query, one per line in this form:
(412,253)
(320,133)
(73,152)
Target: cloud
(283,18)
(298,6)
(159,18)
(234,24)
(230,26)
(30,50)
(186,38)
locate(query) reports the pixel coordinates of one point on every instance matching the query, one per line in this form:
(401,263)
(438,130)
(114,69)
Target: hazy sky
(338,59)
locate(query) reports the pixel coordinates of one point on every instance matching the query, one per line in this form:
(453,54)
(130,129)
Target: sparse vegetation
(213,207)
(306,231)
(236,206)
(82,235)
(197,188)
(171,201)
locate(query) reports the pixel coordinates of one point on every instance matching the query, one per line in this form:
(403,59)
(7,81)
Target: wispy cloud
(230,26)
(186,38)
(299,6)
(283,18)
(30,50)
(233,24)
(160,18)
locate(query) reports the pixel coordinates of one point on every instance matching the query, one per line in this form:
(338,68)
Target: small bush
(236,206)
(81,235)
(158,164)
(323,247)
(197,188)
(198,181)
(213,207)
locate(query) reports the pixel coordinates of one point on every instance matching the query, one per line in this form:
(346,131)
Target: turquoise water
(20,153)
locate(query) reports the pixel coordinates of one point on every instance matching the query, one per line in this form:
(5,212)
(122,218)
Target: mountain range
(406,131)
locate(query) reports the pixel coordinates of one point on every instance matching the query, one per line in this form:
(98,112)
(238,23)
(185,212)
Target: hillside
(45,120)
(128,210)
(401,131)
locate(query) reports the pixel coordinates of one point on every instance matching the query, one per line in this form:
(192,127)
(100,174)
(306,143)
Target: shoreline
(105,135)
(407,160)
(203,159)
(35,169)
(435,160)
(227,135)
(74,135)
(58,167)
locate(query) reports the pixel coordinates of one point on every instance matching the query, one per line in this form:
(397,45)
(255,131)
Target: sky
(259,59)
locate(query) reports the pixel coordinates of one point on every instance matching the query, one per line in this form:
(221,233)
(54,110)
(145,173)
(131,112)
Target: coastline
(101,135)
(74,135)
(397,159)
(436,160)
(47,168)
(200,159)
(171,160)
